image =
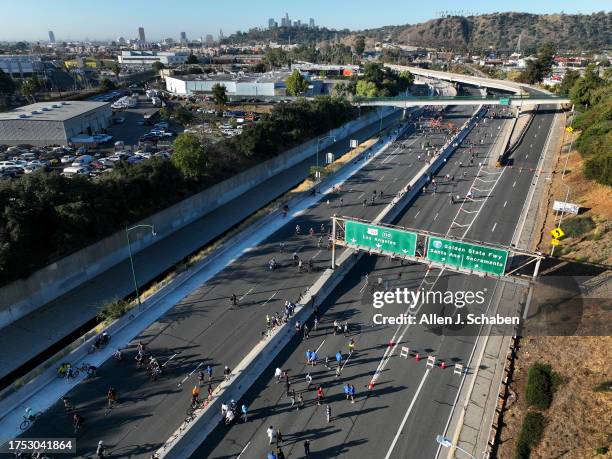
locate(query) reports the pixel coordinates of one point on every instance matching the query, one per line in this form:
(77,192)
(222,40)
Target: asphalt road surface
(205,329)
(409,404)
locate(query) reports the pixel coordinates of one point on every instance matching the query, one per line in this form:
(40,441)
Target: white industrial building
(47,123)
(271,84)
(149,57)
(20,66)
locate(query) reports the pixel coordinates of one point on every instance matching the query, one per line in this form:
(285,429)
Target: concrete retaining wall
(24,296)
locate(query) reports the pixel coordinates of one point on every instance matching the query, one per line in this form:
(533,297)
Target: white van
(75,170)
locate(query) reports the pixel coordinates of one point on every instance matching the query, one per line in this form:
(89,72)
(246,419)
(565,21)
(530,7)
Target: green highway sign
(468,256)
(380,238)
(504,101)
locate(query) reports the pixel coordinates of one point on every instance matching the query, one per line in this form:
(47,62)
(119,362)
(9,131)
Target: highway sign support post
(333,260)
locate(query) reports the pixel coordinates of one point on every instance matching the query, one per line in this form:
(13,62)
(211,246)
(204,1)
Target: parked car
(67,159)
(72,171)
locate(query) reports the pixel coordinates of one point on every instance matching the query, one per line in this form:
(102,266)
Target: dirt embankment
(579,420)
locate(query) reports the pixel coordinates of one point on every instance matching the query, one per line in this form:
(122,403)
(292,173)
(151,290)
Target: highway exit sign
(359,234)
(504,101)
(467,256)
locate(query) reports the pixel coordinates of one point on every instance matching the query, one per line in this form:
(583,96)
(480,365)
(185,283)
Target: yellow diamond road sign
(554,241)
(557,233)
(569,129)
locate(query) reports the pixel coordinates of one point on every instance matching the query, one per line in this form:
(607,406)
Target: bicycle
(29,420)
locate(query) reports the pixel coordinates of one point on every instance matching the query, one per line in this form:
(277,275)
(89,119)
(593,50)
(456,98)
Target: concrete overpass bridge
(414,101)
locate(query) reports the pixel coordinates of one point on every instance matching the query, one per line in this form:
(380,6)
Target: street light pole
(442,440)
(318,142)
(127,235)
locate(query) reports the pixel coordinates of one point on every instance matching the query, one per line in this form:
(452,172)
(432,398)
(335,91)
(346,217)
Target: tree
(366,89)
(359,45)
(296,83)
(568,82)
(583,88)
(115,68)
(189,156)
(192,59)
(219,93)
(373,72)
(538,68)
(157,66)
(107,85)
(29,87)
(7,86)
(183,116)
(275,58)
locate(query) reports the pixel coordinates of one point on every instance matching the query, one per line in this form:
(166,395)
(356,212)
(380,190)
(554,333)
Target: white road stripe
(243,296)
(243,450)
(505,202)
(493,229)
(415,215)
(401,427)
(273,295)
(436,216)
(514,184)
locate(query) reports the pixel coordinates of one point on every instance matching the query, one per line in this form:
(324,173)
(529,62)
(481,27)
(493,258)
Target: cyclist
(311,231)
(111,397)
(297,230)
(195,395)
(29,415)
(100,451)
(77,422)
(118,355)
(67,404)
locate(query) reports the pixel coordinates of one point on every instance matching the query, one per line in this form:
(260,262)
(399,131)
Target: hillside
(502,31)
(458,33)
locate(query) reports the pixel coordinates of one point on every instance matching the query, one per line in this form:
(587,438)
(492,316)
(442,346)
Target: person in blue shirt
(339,358)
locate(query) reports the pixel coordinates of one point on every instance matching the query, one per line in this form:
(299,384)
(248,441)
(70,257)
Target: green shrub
(539,389)
(598,167)
(605,386)
(530,435)
(602,450)
(113,310)
(577,226)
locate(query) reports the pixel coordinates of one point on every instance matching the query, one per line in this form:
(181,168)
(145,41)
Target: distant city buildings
(183,38)
(287,22)
(121,40)
(51,36)
(209,40)
(141,36)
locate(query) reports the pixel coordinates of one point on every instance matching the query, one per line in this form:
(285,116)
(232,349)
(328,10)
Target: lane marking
(401,427)
(243,450)
(320,346)
(171,357)
(505,202)
(415,215)
(381,177)
(436,216)
(243,296)
(273,295)
(493,229)
(514,184)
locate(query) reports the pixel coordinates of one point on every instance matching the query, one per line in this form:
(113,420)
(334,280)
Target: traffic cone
(442,364)
(417,357)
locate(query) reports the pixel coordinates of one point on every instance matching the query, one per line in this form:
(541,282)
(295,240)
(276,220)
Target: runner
(195,395)
(328,413)
(319,395)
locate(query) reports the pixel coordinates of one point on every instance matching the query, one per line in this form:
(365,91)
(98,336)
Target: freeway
(409,403)
(205,329)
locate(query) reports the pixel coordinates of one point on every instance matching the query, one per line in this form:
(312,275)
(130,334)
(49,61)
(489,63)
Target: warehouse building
(236,85)
(47,123)
(149,57)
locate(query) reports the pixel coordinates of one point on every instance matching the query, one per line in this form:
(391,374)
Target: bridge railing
(359,99)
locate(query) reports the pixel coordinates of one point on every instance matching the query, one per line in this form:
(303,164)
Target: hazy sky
(103,19)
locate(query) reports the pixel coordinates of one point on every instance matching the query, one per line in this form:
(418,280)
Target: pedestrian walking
(347,393)
(339,358)
(307,448)
(292,396)
(352,393)
(209,372)
(300,400)
(351,346)
(280,454)
(244,410)
(308,381)
(278,373)
(279,437)
(319,395)
(271,434)
(227,372)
